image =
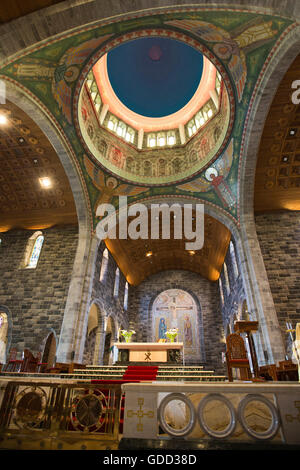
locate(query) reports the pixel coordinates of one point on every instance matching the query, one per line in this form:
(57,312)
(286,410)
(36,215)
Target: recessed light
(45,182)
(191,252)
(3,119)
(149,254)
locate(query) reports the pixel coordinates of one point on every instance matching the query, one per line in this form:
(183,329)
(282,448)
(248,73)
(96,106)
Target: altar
(150,352)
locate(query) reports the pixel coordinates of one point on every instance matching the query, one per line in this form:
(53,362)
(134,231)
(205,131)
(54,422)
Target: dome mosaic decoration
(155,110)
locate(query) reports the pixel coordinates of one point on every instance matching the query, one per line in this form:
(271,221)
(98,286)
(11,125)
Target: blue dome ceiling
(154,77)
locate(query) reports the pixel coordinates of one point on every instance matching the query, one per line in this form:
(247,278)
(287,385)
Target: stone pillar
(140,138)
(259,297)
(103,113)
(182,134)
(99,346)
(82,287)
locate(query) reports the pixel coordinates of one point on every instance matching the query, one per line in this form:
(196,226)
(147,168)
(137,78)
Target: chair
(268,372)
(13,364)
(236,357)
(30,363)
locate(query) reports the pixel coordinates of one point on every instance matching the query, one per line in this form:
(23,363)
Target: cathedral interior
(125,108)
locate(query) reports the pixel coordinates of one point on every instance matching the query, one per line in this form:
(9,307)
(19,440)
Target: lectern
(243,326)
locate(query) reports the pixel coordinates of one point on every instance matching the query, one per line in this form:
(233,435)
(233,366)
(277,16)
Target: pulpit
(248,327)
(149,352)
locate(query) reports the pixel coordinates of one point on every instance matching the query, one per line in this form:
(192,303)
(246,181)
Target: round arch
(260,302)
(5,333)
(49,349)
(59,142)
(189,323)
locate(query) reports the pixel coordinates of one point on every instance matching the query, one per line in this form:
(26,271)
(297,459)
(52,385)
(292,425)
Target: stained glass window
(36,251)
(126,296)
(116,287)
(234,261)
(226,279)
(104,265)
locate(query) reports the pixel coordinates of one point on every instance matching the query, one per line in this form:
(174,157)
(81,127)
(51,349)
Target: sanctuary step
(145,373)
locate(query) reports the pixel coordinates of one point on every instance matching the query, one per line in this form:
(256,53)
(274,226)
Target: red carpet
(140,373)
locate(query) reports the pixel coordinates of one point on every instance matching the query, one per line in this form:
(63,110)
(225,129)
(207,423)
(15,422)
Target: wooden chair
(13,364)
(30,363)
(268,372)
(236,357)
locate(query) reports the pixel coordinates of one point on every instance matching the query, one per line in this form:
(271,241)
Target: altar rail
(49,416)
(234,413)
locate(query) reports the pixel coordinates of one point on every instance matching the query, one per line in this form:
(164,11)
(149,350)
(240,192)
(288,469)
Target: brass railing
(44,415)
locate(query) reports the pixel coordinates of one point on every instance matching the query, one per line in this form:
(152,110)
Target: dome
(154,110)
(154,77)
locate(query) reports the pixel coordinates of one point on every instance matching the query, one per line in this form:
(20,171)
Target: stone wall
(279,237)
(206,293)
(234,296)
(35,298)
(108,305)
(103,292)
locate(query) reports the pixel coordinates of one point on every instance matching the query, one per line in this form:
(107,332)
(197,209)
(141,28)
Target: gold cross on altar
(140,414)
(148,356)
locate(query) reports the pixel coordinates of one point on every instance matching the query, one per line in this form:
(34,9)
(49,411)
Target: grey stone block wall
(36,298)
(104,291)
(206,293)
(234,298)
(279,237)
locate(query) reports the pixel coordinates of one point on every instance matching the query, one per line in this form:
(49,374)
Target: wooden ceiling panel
(131,255)
(13,9)
(277,181)
(26,155)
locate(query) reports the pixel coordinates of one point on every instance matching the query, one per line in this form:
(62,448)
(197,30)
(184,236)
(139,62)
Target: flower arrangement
(171,334)
(127,334)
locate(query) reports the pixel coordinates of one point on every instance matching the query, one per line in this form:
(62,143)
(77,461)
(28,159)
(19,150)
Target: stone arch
(200,356)
(7,335)
(73,309)
(95,333)
(262,338)
(49,349)
(111,333)
(260,301)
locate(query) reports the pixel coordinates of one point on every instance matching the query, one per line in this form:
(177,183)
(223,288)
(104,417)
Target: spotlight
(3,119)
(45,182)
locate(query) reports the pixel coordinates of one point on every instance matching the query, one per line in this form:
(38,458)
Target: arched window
(33,251)
(126,296)
(226,278)
(117,280)
(233,258)
(221,290)
(3,336)
(104,265)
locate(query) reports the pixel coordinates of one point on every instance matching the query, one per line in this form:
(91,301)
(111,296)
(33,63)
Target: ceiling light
(3,119)
(191,252)
(149,254)
(45,182)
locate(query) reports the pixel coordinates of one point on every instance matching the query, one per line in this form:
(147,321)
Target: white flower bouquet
(171,334)
(127,334)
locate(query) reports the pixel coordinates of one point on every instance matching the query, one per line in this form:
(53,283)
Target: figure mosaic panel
(175,308)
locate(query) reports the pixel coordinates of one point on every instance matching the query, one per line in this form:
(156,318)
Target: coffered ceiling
(138,259)
(277,183)
(26,155)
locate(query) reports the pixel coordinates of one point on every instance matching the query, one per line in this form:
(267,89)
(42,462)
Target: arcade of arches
(66,147)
